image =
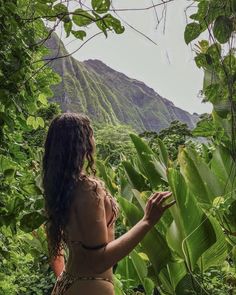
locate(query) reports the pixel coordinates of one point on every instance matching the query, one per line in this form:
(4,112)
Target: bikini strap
(94,247)
(72,278)
(95,278)
(89,247)
(114,207)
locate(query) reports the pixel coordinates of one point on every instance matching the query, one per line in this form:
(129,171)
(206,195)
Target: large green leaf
(193,228)
(128,273)
(172,274)
(165,281)
(125,187)
(141,197)
(118,286)
(188,285)
(174,234)
(133,271)
(217,253)
(135,178)
(105,173)
(141,269)
(177,270)
(160,168)
(166,218)
(145,156)
(199,177)
(164,157)
(154,244)
(224,168)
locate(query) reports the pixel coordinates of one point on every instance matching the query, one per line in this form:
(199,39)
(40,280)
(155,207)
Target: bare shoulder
(90,211)
(89,190)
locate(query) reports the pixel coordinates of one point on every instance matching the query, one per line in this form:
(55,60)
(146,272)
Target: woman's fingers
(158,195)
(169,205)
(158,199)
(155,195)
(154,208)
(165,196)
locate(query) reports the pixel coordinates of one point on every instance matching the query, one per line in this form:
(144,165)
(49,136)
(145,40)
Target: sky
(167,66)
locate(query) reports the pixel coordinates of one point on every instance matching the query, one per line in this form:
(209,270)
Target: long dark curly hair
(69,143)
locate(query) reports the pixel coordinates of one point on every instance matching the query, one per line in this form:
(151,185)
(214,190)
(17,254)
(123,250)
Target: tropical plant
(25,113)
(192,249)
(173,136)
(190,240)
(113,143)
(197,235)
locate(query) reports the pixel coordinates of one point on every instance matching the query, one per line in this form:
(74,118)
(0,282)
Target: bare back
(90,213)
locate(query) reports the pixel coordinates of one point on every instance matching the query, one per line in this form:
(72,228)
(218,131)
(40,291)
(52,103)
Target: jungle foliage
(192,249)
(25,86)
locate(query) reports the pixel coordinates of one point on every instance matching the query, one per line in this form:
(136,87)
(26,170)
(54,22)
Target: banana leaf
(118,286)
(125,186)
(128,273)
(191,232)
(141,269)
(224,168)
(160,168)
(217,253)
(199,177)
(154,243)
(166,219)
(177,270)
(171,275)
(146,165)
(164,157)
(189,285)
(135,178)
(106,176)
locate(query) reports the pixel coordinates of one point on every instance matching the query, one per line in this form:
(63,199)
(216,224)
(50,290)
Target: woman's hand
(102,259)
(154,208)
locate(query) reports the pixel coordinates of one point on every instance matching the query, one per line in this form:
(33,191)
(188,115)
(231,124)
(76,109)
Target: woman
(81,213)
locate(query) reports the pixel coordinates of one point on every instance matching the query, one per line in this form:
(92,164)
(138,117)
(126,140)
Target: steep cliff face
(93,88)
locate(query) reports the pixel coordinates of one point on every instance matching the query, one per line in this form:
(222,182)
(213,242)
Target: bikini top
(115,214)
(114,207)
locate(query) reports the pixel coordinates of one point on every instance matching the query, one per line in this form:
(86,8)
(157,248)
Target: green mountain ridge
(108,96)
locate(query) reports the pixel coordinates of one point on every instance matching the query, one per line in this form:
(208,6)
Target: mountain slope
(93,88)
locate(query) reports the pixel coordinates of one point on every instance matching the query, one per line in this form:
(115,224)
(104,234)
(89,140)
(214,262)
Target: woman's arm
(94,231)
(119,248)
(57,264)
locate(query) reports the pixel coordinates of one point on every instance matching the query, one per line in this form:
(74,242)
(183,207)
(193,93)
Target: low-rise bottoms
(66,280)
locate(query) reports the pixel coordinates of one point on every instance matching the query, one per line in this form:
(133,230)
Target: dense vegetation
(192,250)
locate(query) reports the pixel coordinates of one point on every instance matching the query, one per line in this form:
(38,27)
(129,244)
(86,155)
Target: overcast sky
(167,67)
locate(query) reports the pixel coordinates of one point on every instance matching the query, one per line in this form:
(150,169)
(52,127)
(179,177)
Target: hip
(68,284)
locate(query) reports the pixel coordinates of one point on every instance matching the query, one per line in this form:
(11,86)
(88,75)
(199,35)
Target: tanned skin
(88,218)
(90,227)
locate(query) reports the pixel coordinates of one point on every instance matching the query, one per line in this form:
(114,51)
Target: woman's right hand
(154,208)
